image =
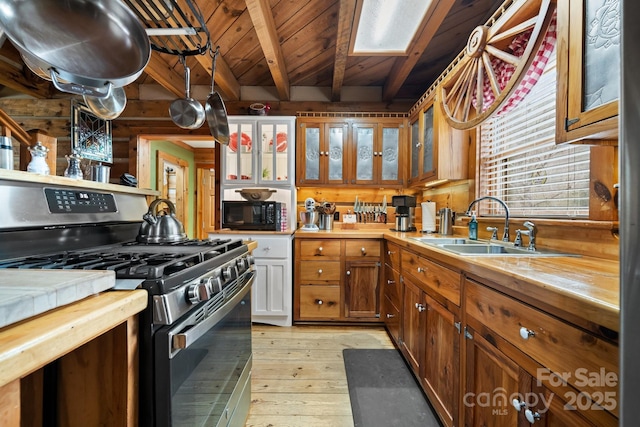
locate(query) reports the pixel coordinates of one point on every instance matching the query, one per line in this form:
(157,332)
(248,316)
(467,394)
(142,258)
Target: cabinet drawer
(362,248)
(391,285)
(442,280)
(310,249)
(392,255)
(271,248)
(319,302)
(391,318)
(585,361)
(319,271)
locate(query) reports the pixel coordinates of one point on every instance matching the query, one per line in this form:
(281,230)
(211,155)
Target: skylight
(387,26)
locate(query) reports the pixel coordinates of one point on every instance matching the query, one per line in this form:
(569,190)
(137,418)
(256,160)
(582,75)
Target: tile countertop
(26,293)
(584,288)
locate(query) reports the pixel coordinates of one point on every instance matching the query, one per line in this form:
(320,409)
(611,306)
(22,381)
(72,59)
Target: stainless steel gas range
(195,335)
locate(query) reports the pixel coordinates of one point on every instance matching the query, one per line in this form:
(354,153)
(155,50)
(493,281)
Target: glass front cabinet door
(377,153)
(588,64)
(260,151)
(321,157)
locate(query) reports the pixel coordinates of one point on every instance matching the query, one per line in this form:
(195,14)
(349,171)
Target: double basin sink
(463,246)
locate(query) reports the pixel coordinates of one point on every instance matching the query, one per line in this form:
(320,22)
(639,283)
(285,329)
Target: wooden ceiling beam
(164,74)
(345,22)
(224,78)
(265,27)
(402,67)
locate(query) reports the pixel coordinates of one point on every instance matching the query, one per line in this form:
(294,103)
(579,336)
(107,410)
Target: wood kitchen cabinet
(392,291)
(431,330)
(337,280)
(588,71)
(514,349)
(438,151)
(322,152)
(378,153)
(271,293)
(261,151)
(351,151)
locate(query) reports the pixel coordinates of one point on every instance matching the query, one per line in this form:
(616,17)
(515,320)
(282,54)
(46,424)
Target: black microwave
(245,215)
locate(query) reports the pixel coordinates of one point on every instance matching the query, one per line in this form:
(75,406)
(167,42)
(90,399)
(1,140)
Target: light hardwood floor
(298,376)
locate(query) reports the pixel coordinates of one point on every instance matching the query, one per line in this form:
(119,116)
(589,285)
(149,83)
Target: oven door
(203,364)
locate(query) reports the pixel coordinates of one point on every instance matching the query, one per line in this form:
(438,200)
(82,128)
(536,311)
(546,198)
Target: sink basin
(465,246)
(447,241)
(497,249)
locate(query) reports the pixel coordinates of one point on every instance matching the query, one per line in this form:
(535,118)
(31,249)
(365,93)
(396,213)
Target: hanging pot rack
(175,27)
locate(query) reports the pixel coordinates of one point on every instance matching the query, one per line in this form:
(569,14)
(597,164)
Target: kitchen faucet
(531,232)
(505,234)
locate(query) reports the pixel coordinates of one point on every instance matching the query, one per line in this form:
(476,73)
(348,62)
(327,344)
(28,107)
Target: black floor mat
(384,392)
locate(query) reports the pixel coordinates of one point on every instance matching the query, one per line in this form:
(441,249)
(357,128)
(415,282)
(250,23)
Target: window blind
(520,163)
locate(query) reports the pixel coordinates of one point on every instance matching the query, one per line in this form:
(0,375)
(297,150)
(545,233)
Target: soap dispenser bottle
(473,227)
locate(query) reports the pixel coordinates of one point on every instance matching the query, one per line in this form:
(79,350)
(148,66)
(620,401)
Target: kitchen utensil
(165,228)
(73,170)
(38,163)
(109,107)
(83,46)
(100,173)
(215,109)
(446,221)
(256,194)
(186,112)
(6,153)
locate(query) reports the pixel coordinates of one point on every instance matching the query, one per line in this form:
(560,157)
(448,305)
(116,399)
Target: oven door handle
(184,339)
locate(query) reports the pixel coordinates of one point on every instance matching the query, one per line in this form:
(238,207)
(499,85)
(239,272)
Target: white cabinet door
(272,292)
(271,295)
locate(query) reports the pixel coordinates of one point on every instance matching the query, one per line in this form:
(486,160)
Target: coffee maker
(405,207)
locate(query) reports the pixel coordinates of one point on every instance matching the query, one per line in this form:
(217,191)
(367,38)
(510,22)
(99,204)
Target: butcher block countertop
(28,345)
(26,293)
(581,289)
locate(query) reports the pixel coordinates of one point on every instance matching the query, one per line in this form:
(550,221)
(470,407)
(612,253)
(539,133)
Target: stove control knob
(243,264)
(227,273)
(250,260)
(198,292)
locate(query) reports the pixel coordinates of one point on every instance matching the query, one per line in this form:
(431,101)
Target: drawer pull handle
(320,250)
(363,250)
(390,316)
(390,252)
(391,282)
(526,333)
(518,404)
(267,248)
(531,416)
(348,272)
(320,271)
(319,302)
(421,270)
(420,307)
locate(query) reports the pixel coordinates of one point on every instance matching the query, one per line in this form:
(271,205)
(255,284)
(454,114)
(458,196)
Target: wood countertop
(579,289)
(11,175)
(31,344)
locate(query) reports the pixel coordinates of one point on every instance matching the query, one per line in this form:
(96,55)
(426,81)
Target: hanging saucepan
(161,228)
(82,46)
(186,112)
(215,109)
(107,108)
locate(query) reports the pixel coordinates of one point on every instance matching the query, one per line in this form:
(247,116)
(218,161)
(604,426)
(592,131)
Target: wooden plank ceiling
(288,43)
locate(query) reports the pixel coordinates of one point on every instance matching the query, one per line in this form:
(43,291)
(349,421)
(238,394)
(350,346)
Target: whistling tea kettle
(165,228)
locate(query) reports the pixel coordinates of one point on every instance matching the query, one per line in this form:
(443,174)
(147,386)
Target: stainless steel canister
(100,173)
(446,221)
(6,153)
(326,222)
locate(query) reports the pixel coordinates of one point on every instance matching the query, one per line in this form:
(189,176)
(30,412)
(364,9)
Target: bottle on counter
(473,227)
